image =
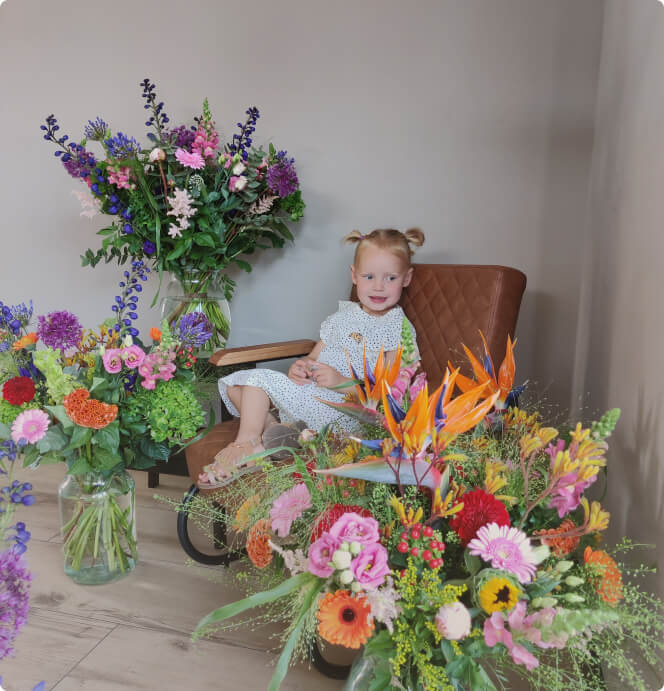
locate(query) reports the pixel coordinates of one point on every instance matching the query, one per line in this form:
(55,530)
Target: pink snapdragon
(288,507)
(120,177)
(157,365)
(370,566)
(190,160)
(133,356)
(351,527)
(112,359)
(206,141)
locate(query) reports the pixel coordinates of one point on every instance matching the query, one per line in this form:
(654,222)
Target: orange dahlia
(258,544)
(605,575)
(561,546)
(344,619)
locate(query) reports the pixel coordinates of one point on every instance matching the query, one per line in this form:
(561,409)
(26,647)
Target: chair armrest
(259,353)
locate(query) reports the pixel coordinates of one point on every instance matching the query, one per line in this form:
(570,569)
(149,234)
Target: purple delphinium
(181,137)
(158,118)
(281,175)
(77,161)
(194,330)
(241,142)
(121,146)
(60,330)
(128,298)
(14,598)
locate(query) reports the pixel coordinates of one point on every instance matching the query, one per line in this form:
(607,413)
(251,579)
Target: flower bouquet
(102,402)
(452,541)
(186,203)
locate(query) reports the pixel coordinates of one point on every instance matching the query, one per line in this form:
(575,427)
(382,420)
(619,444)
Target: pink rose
(370,566)
(112,360)
(133,356)
(237,183)
(351,527)
(320,555)
(453,621)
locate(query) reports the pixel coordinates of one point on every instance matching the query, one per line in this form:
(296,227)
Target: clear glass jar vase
(200,291)
(97,519)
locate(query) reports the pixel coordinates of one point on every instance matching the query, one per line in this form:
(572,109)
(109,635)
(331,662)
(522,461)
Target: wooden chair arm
(259,353)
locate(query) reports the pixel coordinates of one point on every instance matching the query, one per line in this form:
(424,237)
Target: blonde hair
(389,239)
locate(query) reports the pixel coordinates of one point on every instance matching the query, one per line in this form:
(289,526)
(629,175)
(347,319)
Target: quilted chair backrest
(448,304)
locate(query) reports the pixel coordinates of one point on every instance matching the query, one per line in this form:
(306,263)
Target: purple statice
(77,161)
(181,137)
(14,598)
(194,330)
(121,146)
(281,175)
(96,130)
(241,142)
(158,119)
(125,303)
(60,330)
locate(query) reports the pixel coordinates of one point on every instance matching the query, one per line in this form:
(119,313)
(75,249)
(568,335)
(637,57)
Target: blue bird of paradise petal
(488,366)
(512,399)
(397,411)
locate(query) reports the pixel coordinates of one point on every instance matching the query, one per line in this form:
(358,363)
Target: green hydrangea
(170,411)
(9,412)
(58,384)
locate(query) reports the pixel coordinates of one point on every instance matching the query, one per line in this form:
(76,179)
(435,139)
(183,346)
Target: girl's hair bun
(414,236)
(354,236)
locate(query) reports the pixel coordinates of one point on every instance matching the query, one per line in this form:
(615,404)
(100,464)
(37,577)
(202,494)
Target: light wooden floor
(134,634)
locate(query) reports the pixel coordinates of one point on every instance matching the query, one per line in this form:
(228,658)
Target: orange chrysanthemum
(89,412)
(344,619)
(258,544)
(28,339)
(606,575)
(561,546)
(155,334)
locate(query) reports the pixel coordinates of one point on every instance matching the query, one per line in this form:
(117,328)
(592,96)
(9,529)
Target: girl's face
(380,277)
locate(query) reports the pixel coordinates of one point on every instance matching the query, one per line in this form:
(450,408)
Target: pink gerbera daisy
(30,425)
(193,160)
(505,548)
(288,507)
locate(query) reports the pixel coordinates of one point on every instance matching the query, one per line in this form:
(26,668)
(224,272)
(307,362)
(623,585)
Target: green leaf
(99,385)
(5,432)
(106,460)
(177,252)
(80,465)
(106,231)
(160,452)
(246,266)
(54,440)
(204,240)
(80,437)
(50,457)
(108,437)
(473,563)
(30,456)
(59,412)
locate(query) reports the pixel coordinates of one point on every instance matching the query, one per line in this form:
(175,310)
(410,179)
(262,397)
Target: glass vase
(200,291)
(97,519)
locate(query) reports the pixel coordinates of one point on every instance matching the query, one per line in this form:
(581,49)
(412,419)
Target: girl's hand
(326,376)
(299,371)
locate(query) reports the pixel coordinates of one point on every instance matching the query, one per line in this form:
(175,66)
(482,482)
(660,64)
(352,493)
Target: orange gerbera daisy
(561,546)
(605,575)
(344,619)
(258,544)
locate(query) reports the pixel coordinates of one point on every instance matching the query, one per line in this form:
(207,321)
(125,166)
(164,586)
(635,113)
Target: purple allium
(14,598)
(96,130)
(194,330)
(281,175)
(60,330)
(181,137)
(121,146)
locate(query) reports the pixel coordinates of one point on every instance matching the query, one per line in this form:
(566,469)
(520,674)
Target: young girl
(381,269)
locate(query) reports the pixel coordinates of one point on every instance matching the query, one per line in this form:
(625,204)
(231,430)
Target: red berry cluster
(186,357)
(421,543)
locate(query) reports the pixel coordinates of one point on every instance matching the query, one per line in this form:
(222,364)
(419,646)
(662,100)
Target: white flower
(341,559)
(239,168)
(383,603)
(91,205)
(346,577)
(174,231)
(127,341)
(157,154)
(453,621)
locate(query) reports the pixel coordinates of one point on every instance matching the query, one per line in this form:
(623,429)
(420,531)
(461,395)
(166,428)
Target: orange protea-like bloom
(89,412)
(155,334)
(258,544)
(561,546)
(28,339)
(344,619)
(605,576)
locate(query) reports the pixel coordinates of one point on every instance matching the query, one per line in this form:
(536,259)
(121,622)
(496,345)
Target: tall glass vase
(200,291)
(97,517)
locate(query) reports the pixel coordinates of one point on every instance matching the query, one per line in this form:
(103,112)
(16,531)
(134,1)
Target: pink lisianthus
(370,566)
(112,360)
(237,183)
(190,160)
(288,507)
(30,425)
(351,527)
(320,555)
(133,356)
(453,621)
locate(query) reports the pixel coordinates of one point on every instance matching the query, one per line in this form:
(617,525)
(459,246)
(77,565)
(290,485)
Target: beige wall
(471,119)
(622,326)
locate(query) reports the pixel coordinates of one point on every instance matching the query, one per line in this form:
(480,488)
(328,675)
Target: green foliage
(58,384)
(606,424)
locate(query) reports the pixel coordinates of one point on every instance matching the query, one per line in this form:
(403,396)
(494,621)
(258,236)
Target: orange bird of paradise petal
(370,390)
(412,430)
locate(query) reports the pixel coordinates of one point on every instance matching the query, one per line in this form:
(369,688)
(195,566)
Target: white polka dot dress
(343,332)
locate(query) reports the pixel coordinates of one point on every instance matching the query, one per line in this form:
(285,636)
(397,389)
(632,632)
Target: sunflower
(345,620)
(605,575)
(498,594)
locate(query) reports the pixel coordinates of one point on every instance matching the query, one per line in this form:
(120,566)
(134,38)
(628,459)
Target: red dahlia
(329,518)
(479,508)
(18,390)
